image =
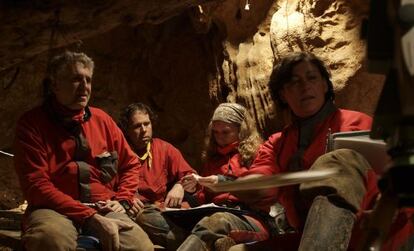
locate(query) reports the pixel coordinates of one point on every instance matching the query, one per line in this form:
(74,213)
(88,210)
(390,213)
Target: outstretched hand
(189,182)
(208,180)
(108,231)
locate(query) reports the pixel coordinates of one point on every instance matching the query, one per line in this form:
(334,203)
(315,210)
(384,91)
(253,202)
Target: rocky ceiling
(31,27)
(182,57)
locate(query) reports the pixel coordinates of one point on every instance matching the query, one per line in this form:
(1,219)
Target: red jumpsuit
(274,156)
(168,167)
(227,165)
(245,227)
(48,174)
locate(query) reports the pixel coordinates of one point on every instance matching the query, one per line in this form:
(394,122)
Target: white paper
(374,151)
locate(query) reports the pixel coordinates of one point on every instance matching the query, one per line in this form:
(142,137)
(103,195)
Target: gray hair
(68,58)
(58,62)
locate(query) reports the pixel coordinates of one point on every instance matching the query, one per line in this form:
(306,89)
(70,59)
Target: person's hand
(137,206)
(175,196)
(114,206)
(108,231)
(209,180)
(189,183)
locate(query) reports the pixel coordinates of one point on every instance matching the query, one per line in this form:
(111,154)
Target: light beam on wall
(247,5)
(200,9)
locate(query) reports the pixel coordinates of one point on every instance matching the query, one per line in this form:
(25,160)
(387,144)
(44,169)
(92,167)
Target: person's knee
(50,236)
(142,217)
(49,230)
(153,220)
(136,240)
(140,244)
(216,222)
(347,188)
(212,219)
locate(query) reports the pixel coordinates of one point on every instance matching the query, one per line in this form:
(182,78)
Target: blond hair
(249,141)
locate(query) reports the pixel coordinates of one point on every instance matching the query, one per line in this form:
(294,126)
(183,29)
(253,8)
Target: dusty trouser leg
(212,232)
(160,230)
(331,217)
(49,230)
(134,239)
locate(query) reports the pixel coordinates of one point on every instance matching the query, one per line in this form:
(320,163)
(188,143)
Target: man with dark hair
(75,167)
(162,169)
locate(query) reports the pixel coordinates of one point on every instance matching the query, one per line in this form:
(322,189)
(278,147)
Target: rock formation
(181,57)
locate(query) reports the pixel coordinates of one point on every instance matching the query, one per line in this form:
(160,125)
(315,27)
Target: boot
(327,227)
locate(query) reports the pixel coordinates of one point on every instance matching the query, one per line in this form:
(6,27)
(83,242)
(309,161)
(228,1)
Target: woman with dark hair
(283,73)
(301,86)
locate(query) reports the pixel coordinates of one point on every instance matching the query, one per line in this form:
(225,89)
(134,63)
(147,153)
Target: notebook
(374,150)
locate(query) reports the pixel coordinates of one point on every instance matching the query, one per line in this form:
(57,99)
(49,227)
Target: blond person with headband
(231,144)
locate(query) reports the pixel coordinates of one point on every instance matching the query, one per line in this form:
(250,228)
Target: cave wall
(186,65)
(329,29)
(167,66)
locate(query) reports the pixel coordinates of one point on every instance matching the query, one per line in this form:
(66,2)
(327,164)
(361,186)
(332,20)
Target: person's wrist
(221,178)
(193,190)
